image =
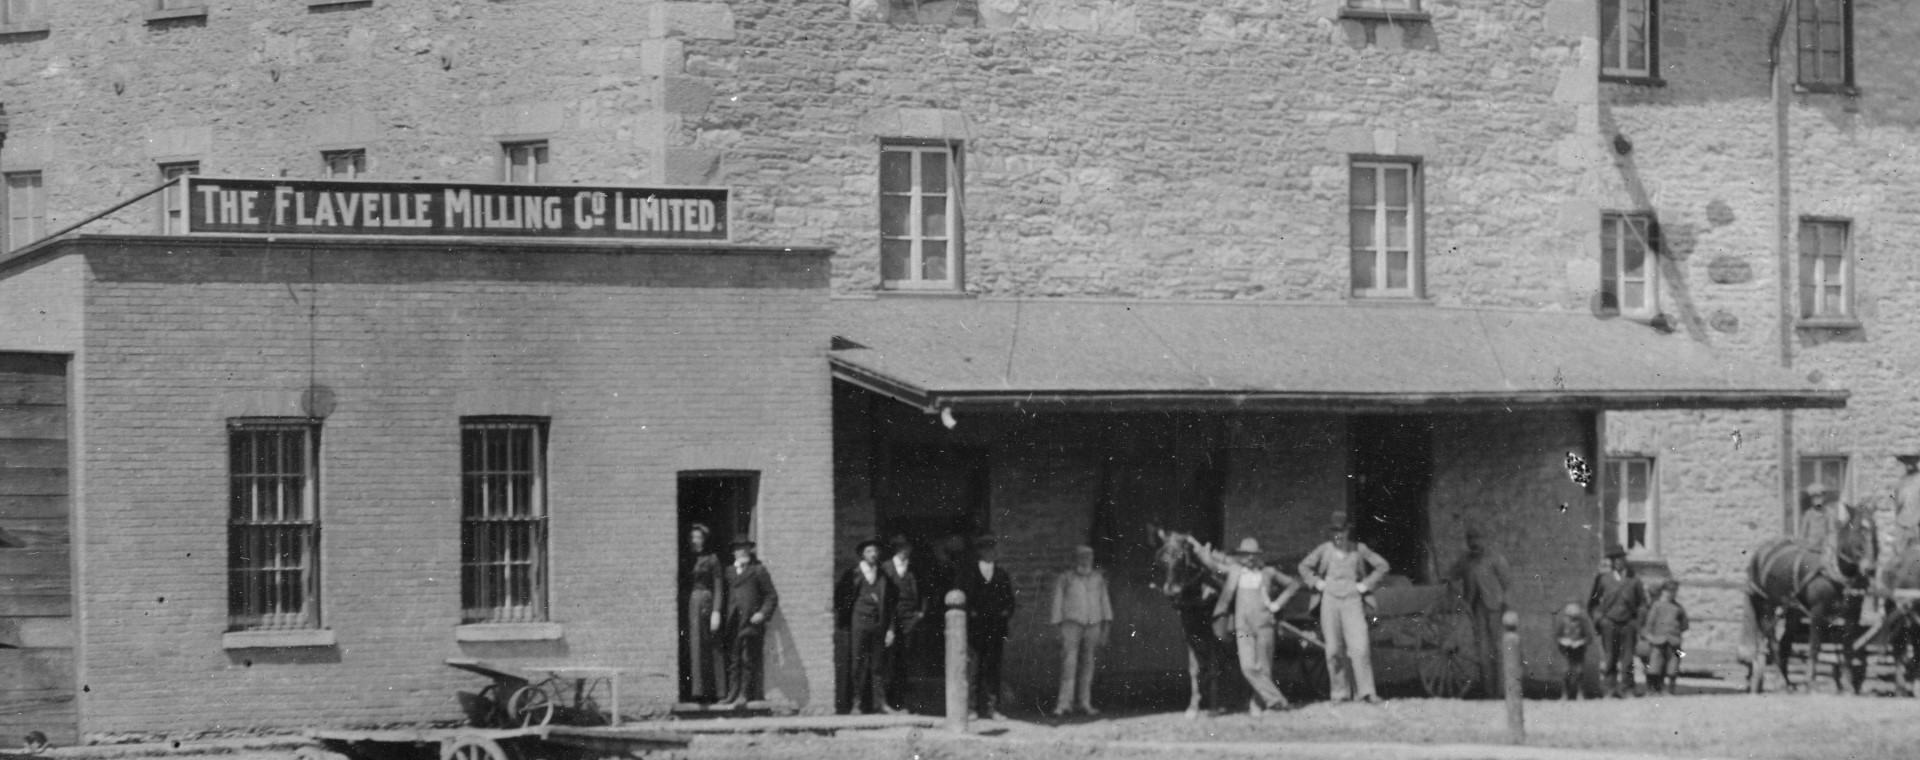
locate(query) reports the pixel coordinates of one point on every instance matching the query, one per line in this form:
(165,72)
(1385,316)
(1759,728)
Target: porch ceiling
(1112,354)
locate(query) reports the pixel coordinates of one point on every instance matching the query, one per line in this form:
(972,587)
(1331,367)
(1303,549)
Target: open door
(722,500)
(1391,468)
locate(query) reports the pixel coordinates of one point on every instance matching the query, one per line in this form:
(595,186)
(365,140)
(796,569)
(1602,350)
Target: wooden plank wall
(36,576)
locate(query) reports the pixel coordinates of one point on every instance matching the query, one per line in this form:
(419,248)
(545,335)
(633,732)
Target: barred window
(344,164)
(273,531)
(503,527)
(524,163)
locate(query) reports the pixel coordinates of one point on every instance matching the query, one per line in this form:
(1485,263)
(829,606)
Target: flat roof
(1247,355)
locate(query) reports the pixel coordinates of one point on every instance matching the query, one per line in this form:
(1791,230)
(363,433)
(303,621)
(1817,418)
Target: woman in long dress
(700,584)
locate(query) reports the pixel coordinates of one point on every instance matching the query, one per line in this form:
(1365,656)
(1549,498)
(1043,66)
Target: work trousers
(1663,666)
(743,652)
(1079,648)
(897,662)
(1343,625)
(988,642)
(1616,655)
(1255,645)
(866,681)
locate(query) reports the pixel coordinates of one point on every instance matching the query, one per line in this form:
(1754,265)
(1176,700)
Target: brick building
(1632,193)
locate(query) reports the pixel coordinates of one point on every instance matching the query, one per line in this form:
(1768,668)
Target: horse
(1192,588)
(1784,575)
(1902,616)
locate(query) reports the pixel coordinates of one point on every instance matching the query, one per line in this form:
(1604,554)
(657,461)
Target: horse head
(1173,558)
(1857,542)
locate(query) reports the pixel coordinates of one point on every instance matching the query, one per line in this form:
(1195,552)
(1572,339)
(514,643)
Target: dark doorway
(1390,468)
(929,493)
(722,500)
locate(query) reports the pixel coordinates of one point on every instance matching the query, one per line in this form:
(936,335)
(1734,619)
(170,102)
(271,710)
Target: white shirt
(867,571)
(899,565)
(986,570)
(1252,578)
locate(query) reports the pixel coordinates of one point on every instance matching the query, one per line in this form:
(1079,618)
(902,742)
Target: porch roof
(1116,354)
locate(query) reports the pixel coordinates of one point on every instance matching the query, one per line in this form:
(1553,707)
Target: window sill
(24,27)
(1828,323)
(507,632)
(1827,89)
(198,11)
(1634,80)
(322,637)
(1370,301)
(329,6)
(1369,14)
(896,292)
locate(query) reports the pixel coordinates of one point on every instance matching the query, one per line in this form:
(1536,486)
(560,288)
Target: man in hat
(1482,575)
(864,604)
(1816,520)
(990,605)
(1614,605)
(751,601)
(1906,504)
(902,655)
(1343,572)
(1247,600)
(1081,611)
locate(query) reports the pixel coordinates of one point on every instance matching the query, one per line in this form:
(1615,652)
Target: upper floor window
(344,164)
(173,200)
(524,163)
(1628,30)
(1826,269)
(1829,471)
(1629,275)
(1825,43)
(1384,222)
(273,527)
(26,209)
(503,525)
(919,216)
(1628,493)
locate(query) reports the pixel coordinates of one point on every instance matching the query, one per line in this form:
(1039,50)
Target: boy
(1573,631)
(1666,620)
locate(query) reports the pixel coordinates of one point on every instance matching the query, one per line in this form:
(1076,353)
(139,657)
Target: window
(1629,275)
(920,216)
(19,12)
(273,529)
(525,163)
(1826,271)
(503,526)
(1829,471)
(173,200)
(1628,493)
(1628,31)
(178,5)
(1395,6)
(1825,35)
(1384,214)
(344,164)
(26,210)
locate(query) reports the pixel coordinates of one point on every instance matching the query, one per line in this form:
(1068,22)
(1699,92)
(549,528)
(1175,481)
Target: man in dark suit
(990,605)
(751,601)
(864,603)
(1614,605)
(902,655)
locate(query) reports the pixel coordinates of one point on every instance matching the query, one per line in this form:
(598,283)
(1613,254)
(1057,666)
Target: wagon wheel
(1448,665)
(472,748)
(530,706)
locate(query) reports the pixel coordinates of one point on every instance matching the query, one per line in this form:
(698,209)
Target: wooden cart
(524,696)
(1427,623)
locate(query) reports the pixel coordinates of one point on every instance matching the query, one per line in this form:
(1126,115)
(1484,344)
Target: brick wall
(639,382)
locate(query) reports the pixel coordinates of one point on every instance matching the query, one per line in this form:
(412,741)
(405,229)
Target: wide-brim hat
(1907,458)
(985,541)
(1817,491)
(745,543)
(1339,521)
(861,547)
(1616,550)
(1249,547)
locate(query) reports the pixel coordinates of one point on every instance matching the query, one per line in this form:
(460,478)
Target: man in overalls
(1344,572)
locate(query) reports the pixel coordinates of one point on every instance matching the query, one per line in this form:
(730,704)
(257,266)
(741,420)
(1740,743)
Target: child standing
(1666,620)
(1573,631)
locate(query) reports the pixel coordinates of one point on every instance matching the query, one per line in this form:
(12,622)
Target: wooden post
(1510,675)
(957,661)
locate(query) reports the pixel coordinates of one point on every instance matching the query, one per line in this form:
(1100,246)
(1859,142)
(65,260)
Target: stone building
(1476,235)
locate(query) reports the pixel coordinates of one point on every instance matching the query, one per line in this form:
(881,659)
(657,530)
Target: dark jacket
(1616,601)
(868,605)
(748,591)
(990,604)
(1665,622)
(910,606)
(1576,629)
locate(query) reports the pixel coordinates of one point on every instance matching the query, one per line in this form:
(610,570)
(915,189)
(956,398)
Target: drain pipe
(1783,249)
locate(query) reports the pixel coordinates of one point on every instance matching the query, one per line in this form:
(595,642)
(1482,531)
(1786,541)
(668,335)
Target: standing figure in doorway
(1482,575)
(990,605)
(865,601)
(1081,611)
(1344,572)
(1248,602)
(901,655)
(1614,605)
(700,586)
(750,603)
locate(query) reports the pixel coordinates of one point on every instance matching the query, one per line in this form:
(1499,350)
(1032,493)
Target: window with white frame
(1825,470)
(524,163)
(273,525)
(1628,492)
(1628,33)
(1826,269)
(26,209)
(173,200)
(1384,219)
(1629,271)
(919,216)
(1825,43)
(344,164)
(503,526)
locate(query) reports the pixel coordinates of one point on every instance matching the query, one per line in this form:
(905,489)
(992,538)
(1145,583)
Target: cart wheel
(471,748)
(530,706)
(1447,665)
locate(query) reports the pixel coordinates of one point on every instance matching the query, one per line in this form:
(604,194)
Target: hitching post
(1510,675)
(956,661)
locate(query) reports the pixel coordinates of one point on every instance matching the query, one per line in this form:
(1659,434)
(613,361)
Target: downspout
(1783,249)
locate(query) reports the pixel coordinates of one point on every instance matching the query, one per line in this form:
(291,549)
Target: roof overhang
(1112,356)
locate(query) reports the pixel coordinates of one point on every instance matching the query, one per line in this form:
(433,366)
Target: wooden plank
(33,562)
(32,364)
(32,586)
(33,481)
(36,606)
(28,534)
(36,632)
(32,669)
(33,422)
(33,452)
(33,507)
(38,390)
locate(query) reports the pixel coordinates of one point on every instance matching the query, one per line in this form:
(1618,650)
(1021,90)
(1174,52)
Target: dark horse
(1192,587)
(1785,575)
(1903,616)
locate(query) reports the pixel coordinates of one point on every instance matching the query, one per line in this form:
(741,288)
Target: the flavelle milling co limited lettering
(313,207)
(591,210)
